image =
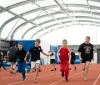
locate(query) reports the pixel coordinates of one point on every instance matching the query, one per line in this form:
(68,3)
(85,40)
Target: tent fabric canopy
(30,19)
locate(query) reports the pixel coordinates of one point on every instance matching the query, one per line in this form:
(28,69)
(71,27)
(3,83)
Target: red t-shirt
(64,53)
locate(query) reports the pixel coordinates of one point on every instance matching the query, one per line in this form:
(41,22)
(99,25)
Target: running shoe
(62,74)
(85,78)
(35,81)
(24,78)
(67,80)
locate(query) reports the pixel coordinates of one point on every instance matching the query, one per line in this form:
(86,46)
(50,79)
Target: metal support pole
(12,28)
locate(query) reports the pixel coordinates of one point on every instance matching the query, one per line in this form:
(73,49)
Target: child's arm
(93,53)
(69,55)
(58,54)
(45,53)
(70,58)
(80,52)
(26,56)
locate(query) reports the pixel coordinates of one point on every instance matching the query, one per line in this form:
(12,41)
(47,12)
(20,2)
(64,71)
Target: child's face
(37,44)
(52,51)
(64,44)
(72,51)
(20,47)
(87,40)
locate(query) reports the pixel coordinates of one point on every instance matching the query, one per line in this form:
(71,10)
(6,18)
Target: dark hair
(13,44)
(38,40)
(20,43)
(72,49)
(88,37)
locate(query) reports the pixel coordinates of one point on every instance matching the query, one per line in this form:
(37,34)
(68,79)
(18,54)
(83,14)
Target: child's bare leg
(37,71)
(14,67)
(33,66)
(33,69)
(53,67)
(87,67)
(84,67)
(11,67)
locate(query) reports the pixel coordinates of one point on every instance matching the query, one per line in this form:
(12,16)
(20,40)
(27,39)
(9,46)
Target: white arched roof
(31,19)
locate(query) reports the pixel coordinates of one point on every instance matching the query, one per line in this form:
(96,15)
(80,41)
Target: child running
(11,54)
(64,59)
(20,55)
(86,53)
(52,60)
(73,58)
(35,59)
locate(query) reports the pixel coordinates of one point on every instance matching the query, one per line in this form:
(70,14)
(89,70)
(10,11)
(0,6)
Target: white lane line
(64,79)
(32,78)
(96,80)
(12,76)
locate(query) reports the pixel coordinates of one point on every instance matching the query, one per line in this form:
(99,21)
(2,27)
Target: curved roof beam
(86,17)
(77,5)
(66,22)
(60,13)
(62,27)
(55,6)
(49,7)
(29,1)
(95,0)
(48,21)
(85,12)
(18,4)
(18,17)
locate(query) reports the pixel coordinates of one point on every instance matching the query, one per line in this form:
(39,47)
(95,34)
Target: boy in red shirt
(64,59)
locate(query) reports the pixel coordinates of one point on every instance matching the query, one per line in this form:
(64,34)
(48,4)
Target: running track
(53,78)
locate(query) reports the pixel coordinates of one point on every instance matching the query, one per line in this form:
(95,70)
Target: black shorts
(52,61)
(11,59)
(85,59)
(72,62)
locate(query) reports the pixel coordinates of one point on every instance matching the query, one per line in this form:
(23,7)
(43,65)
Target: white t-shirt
(52,56)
